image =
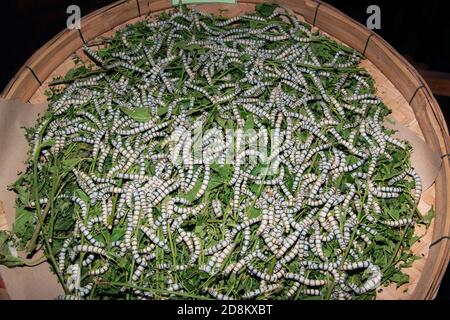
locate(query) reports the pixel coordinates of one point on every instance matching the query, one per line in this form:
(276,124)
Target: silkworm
(257,292)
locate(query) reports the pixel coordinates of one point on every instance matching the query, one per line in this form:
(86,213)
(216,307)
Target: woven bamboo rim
(398,83)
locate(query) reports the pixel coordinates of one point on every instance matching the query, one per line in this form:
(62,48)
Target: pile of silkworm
(152,222)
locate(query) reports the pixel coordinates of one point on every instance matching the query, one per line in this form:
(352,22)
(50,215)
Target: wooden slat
(54,52)
(21,86)
(306,8)
(397,69)
(334,22)
(148,7)
(105,19)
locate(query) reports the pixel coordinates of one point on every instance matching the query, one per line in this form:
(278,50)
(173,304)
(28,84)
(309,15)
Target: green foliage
(266,9)
(138,114)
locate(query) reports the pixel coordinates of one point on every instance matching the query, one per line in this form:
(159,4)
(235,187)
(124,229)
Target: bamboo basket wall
(398,84)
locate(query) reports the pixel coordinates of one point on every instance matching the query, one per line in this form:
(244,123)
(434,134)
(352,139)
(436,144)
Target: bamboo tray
(397,82)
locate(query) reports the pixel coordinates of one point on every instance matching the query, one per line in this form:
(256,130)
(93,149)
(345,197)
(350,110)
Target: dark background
(418,30)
